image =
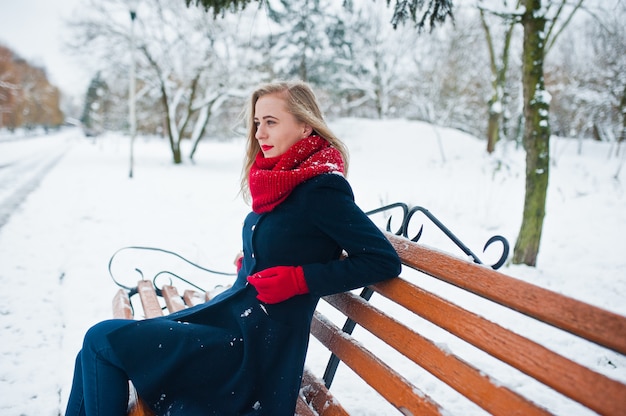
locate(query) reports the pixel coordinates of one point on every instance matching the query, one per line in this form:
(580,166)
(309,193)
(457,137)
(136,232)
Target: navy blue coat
(236,356)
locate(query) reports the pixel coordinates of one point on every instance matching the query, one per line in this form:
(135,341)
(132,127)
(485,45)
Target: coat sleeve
(371,258)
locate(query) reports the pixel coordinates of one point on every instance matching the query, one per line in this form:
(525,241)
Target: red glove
(279,283)
(239,263)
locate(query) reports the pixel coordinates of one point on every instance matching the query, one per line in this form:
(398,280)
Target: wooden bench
(441,291)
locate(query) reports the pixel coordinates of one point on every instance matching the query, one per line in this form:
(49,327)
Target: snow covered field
(55,248)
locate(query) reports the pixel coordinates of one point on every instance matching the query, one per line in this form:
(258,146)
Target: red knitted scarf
(272,179)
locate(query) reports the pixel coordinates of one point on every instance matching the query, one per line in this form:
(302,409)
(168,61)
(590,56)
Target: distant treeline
(27,99)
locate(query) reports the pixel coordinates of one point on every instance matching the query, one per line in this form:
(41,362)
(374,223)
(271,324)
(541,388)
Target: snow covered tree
(536,134)
(446,81)
(421,12)
(498,36)
(340,49)
(542,24)
(300,40)
(373,62)
(608,38)
(185,70)
(586,76)
(221,6)
(97,108)
(189,68)
(540,32)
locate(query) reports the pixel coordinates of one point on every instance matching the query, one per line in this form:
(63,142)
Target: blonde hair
(300,101)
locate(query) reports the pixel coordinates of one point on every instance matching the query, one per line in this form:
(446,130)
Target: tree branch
(551,39)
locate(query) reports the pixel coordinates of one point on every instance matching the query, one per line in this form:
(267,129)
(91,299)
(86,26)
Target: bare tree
(447,82)
(183,62)
(498,65)
(587,75)
(542,22)
(542,25)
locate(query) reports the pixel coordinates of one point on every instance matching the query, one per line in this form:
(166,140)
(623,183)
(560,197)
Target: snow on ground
(55,247)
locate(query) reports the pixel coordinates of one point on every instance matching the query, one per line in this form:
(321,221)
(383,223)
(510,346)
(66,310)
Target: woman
(243,352)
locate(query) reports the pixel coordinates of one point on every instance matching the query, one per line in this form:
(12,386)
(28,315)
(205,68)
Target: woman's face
(276,129)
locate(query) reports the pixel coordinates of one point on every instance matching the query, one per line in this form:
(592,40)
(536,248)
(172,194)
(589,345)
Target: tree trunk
(176,154)
(536,136)
(174,143)
(622,106)
(493,123)
(205,115)
(493,129)
(499,67)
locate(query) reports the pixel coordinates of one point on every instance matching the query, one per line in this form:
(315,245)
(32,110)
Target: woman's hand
(279,283)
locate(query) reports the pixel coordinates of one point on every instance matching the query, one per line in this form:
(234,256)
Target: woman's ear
(307,131)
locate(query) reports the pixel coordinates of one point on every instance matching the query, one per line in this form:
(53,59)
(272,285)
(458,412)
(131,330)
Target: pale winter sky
(35,30)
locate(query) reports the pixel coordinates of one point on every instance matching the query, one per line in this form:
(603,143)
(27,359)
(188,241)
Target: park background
(416,131)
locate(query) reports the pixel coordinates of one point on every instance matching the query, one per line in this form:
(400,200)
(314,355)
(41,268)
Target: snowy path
(23,164)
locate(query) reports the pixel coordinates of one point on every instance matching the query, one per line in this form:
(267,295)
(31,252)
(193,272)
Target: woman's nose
(260,133)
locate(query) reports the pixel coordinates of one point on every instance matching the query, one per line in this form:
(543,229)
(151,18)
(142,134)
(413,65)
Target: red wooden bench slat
(193,298)
(320,398)
(173,301)
(149,300)
(303,409)
(566,376)
(472,383)
(594,324)
(136,406)
(391,385)
(121,305)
